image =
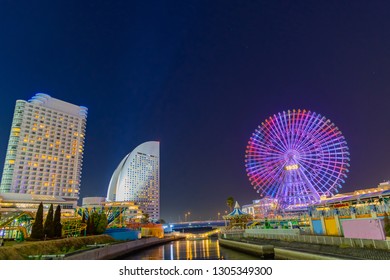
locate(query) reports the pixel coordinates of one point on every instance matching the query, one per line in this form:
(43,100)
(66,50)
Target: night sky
(200,76)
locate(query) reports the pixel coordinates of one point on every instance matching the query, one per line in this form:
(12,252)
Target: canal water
(207,249)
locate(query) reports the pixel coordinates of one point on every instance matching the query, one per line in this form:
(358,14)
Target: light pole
(218,215)
(185,217)
(189,213)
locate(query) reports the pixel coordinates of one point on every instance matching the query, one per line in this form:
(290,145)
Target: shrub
(50,247)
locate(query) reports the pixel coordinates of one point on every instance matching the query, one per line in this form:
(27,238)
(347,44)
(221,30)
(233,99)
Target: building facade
(45,148)
(137,179)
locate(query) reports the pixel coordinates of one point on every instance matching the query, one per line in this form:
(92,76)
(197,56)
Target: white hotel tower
(45,148)
(137,179)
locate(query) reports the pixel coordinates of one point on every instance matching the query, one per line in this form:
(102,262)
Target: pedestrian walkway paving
(341,252)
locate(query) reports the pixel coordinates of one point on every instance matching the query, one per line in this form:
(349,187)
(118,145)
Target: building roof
(24,197)
(237,212)
(354,197)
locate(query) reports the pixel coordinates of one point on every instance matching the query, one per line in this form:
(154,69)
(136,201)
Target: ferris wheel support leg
(313,190)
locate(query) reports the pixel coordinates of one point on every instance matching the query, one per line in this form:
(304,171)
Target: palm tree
(230,202)
(145,218)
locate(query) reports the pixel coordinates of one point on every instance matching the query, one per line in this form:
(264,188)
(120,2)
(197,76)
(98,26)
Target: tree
(37,228)
(96,223)
(230,202)
(57,226)
(145,218)
(101,223)
(90,224)
(83,218)
(48,228)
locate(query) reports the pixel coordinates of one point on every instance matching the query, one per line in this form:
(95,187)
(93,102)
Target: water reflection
(207,249)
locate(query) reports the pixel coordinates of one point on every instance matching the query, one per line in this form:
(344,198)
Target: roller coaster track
(14,217)
(73,226)
(7,221)
(19,228)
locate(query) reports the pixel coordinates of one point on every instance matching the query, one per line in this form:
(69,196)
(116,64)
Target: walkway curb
(113,251)
(263,251)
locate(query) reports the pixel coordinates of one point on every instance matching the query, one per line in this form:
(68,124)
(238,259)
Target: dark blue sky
(199,76)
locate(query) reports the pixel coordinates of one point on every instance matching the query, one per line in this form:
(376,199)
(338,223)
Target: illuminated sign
(291,167)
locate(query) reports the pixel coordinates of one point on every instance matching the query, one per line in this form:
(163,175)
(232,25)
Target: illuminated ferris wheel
(295,157)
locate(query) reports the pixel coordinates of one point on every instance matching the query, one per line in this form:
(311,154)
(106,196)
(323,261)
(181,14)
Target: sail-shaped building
(137,179)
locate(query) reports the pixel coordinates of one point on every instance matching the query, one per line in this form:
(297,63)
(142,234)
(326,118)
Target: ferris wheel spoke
(329,175)
(283,127)
(280,128)
(278,132)
(288,132)
(332,136)
(303,117)
(308,119)
(322,160)
(255,151)
(266,145)
(272,134)
(260,147)
(295,126)
(270,175)
(325,171)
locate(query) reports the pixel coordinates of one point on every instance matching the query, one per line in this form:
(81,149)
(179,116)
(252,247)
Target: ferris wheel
(296,157)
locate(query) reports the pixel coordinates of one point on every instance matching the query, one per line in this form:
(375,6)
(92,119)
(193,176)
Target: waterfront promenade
(289,244)
(257,247)
(113,251)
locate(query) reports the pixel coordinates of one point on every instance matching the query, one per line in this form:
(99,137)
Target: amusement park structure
(296,157)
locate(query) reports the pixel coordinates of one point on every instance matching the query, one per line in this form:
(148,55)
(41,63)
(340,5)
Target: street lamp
(189,213)
(218,215)
(185,217)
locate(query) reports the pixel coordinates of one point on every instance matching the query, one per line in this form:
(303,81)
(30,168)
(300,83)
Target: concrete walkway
(284,249)
(112,251)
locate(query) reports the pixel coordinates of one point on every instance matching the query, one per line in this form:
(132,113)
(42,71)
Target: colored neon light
(296,157)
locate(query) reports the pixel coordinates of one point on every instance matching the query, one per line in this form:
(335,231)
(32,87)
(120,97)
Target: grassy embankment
(22,251)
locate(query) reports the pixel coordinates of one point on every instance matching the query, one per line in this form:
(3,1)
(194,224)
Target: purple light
(296,157)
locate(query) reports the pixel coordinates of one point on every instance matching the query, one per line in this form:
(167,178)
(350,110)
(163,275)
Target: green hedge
(51,247)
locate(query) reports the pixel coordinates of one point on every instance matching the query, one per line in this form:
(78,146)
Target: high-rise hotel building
(137,179)
(45,148)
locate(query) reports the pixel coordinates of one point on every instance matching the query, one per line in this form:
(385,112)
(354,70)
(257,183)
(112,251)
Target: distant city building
(45,148)
(137,179)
